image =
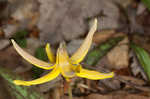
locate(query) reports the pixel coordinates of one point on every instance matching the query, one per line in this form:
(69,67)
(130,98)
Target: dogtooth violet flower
(63,64)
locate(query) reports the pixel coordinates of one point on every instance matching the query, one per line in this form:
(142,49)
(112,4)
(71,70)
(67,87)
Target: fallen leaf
(116,95)
(123,71)
(1,33)
(9,30)
(102,36)
(144,21)
(133,85)
(11,60)
(34,32)
(4,94)
(110,84)
(4,43)
(98,96)
(133,80)
(142,40)
(118,57)
(66,97)
(136,67)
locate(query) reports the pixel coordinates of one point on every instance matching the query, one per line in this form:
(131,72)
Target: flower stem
(70,90)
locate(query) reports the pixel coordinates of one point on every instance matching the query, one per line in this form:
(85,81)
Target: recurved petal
(30,58)
(93,75)
(50,76)
(50,54)
(79,55)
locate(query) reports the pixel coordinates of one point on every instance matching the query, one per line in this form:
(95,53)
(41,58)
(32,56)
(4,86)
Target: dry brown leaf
(123,71)
(117,95)
(118,34)
(10,30)
(144,21)
(136,67)
(4,43)
(109,84)
(23,9)
(1,32)
(66,97)
(97,96)
(142,40)
(4,93)
(103,36)
(11,60)
(34,32)
(34,20)
(118,57)
(133,80)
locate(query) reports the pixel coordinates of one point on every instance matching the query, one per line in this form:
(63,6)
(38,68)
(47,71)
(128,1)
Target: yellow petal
(31,59)
(63,62)
(50,76)
(79,55)
(50,55)
(62,55)
(67,70)
(94,75)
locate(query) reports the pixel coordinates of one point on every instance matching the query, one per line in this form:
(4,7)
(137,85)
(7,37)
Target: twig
(139,87)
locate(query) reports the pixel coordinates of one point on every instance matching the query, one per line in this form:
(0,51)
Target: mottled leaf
(96,54)
(143,57)
(19,92)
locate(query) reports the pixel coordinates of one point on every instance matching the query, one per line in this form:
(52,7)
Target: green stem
(70,90)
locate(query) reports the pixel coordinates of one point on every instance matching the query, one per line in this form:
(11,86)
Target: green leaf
(20,38)
(147,3)
(143,57)
(22,42)
(40,54)
(21,34)
(97,53)
(19,92)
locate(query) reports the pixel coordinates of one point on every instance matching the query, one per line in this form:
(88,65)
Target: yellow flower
(63,64)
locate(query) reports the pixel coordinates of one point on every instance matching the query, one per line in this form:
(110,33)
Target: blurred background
(120,44)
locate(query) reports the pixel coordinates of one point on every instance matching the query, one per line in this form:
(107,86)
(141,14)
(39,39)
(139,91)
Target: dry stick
(132,84)
(86,87)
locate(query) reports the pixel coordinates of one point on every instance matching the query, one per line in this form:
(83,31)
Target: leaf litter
(54,21)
